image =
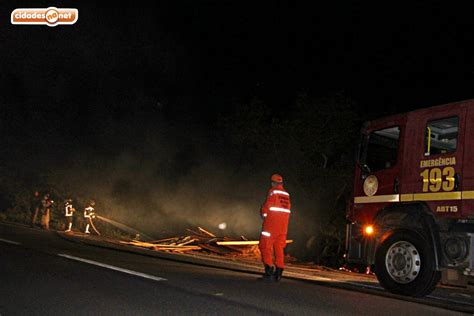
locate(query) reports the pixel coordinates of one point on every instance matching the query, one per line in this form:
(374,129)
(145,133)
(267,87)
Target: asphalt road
(43,274)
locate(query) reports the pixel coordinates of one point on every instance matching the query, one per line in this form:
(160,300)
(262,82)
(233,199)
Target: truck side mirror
(365,170)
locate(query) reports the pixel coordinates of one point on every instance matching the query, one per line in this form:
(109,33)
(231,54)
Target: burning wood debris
(202,240)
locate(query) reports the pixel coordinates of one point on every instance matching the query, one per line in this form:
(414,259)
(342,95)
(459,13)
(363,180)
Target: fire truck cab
(412,211)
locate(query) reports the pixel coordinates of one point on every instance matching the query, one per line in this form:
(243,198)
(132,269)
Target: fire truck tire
(405,264)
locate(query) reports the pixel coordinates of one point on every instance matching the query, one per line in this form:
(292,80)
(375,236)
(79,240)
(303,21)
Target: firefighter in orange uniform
(68,213)
(47,205)
(36,204)
(89,214)
(275,213)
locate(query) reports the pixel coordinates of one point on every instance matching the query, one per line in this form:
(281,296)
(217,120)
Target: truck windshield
(380,149)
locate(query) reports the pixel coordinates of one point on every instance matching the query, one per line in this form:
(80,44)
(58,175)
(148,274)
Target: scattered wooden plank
(138,243)
(187,242)
(159,241)
(197,234)
(218,250)
(236,248)
(203,240)
(206,232)
(177,248)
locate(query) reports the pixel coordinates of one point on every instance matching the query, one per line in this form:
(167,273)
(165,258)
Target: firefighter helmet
(277,178)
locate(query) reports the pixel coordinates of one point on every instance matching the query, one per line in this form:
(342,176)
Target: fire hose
(125,228)
(92,224)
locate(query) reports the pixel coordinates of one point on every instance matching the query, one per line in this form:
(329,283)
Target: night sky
(128,73)
(189,59)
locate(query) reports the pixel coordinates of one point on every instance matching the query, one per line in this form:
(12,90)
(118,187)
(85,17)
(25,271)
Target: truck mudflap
(358,250)
(353,245)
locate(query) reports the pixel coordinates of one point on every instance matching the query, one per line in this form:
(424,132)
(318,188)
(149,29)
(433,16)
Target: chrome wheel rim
(403,262)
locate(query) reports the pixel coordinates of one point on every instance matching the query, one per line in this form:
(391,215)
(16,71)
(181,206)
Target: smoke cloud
(168,184)
(161,178)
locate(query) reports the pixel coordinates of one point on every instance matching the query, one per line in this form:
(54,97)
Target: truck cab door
(434,172)
(378,179)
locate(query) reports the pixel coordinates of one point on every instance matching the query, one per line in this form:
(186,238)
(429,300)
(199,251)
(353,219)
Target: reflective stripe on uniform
(264,214)
(88,211)
(69,210)
(280,192)
(267,234)
(279,209)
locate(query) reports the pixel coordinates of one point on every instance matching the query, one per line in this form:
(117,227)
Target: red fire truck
(412,212)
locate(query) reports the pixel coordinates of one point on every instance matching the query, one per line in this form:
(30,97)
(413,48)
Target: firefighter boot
(267,275)
(277,274)
(87,229)
(69,227)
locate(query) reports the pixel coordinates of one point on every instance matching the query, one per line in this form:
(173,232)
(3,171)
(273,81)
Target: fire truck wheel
(404,264)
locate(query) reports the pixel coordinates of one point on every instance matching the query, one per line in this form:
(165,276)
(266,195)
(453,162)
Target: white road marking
(143,275)
(10,241)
